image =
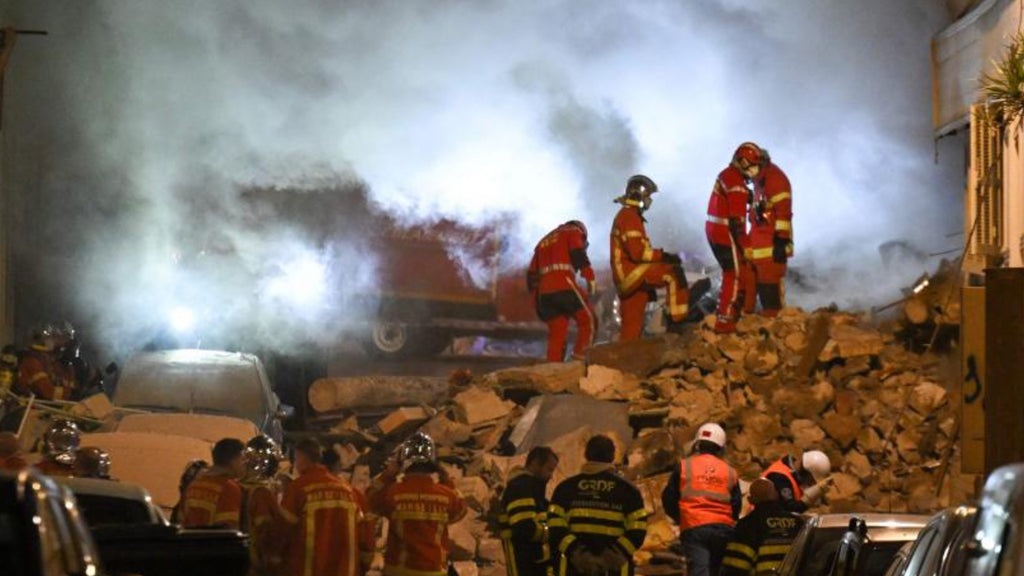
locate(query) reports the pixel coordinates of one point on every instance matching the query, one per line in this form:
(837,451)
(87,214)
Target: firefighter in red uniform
(726,230)
(771,227)
(60,447)
(552,281)
(703,496)
(40,371)
(215,497)
(419,510)
(638,268)
(261,513)
(324,517)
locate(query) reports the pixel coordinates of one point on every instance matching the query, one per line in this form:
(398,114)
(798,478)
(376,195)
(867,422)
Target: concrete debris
(402,420)
(608,383)
(806,434)
(926,397)
(556,378)
(548,418)
(478,404)
(847,341)
(330,394)
(97,406)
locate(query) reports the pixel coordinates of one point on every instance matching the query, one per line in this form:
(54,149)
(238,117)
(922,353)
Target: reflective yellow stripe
(597,529)
(517,518)
(597,514)
(429,516)
(759,253)
(737,563)
(401,571)
(627,545)
(781,549)
(226,517)
(783,225)
(779,197)
(565,543)
(311,510)
(38,377)
(648,255)
(742,549)
(768,566)
(631,234)
(630,281)
(521,502)
(289,517)
(636,525)
(556,510)
(558,523)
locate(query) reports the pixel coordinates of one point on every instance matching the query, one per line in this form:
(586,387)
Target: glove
(584,562)
(780,250)
(670,258)
(612,560)
(814,494)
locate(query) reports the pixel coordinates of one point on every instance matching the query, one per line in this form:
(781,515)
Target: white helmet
(817,463)
(711,432)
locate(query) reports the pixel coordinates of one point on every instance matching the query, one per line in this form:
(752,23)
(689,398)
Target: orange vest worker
(781,468)
(706,483)
(213,499)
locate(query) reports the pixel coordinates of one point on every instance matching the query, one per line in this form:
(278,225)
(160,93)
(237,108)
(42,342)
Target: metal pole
(24,417)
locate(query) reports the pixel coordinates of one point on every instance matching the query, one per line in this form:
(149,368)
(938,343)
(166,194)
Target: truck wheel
(389,338)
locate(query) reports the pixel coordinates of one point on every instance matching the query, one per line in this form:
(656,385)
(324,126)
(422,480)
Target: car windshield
(875,557)
(821,546)
(107,511)
(175,382)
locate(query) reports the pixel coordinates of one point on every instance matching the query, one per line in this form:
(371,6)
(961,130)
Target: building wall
(6,300)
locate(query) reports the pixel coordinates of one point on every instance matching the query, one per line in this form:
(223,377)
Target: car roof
(194,357)
(873,520)
(106,488)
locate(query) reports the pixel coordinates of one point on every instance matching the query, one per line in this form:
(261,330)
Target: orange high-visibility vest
(780,467)
(706,484)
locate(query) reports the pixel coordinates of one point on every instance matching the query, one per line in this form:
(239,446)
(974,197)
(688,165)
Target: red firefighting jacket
(557,258)
(632,253)
(325,516)
(213,499)
(771,214)
(40,373)
(728,202)
(262,521)
(706,484)
(13,463)
(54,468)
(419,511)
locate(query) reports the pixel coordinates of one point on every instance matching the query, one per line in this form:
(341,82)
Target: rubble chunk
(477,405)
(846,341)
(606,383)
(403,420)
(843,428)
(328,394)
(927,397)
(806,434)
(550,378)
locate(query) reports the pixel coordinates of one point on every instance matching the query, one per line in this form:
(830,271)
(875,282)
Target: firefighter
(40,371)
(86,377)
(322,516)
(524,515)
(11,457)
(214,498)
(60,446)
(92,462)
(638,268)
(801,482)
(192,471)
(762,538)
(261,513)
(418,508)
(771,227)
(703,496)
(726,230)
(551,279)
(597,519)
(8,369)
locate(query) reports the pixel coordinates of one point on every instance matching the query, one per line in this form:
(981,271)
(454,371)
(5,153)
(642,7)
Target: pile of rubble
(828,381)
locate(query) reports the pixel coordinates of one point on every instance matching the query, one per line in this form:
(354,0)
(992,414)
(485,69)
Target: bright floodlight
(182,319)
(302,284)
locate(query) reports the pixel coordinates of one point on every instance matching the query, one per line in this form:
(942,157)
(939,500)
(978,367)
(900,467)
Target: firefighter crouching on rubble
(214,498)
(524,515)
(40,369)
(703,496)
(551,279)
(726,230)
(762,538)
(60,446)
(800,482)
(770,241)
(638,268)
(325,520)
(597,519)
(261,513)
(11,456)
(418,508)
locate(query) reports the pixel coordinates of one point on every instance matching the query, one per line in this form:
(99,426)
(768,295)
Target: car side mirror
(284,412)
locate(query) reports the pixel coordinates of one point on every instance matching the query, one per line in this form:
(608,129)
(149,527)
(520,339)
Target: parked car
(42,532)
(134,536)
(899,562)
(850,544)
(941,547)
(997,542)
(202,382)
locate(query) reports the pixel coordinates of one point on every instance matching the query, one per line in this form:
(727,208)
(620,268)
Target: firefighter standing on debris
(215,497)
(638,268)
(597,519)
(524,515)
(800,482)
(762,538)
(325,520)
(551,279)
(261,513)
(418,508)
(726,230)
(703,496)
(40,370)
(60,447)
(770,243)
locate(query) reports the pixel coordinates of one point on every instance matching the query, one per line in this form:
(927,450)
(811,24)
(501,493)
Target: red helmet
(750,159)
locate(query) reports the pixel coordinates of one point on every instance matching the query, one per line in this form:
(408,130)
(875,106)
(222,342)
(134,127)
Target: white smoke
(132,126)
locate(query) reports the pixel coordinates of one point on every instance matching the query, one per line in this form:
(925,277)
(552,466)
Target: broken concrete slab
(402,421)
(478,405)
(447,432)
(847,341)
(606,383)
(807,435)
(550,417)
(639,357)
(843,428)
(548,378)
(330,394)
(927,397)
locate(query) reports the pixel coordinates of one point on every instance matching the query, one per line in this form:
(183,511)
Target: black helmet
(61,441)
(92,462)
(640,185)
(418,449)
(262,457)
